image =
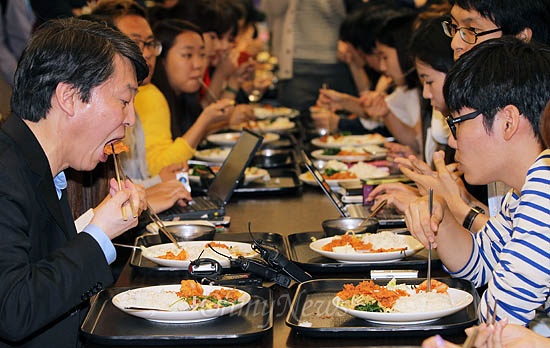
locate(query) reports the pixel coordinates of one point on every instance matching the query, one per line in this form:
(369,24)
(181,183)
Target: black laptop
(387,217)
(212,205)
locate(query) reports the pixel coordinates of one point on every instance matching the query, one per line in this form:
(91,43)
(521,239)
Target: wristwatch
(471,216)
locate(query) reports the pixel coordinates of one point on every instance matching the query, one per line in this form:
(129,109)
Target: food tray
(138,262)
(106,324)
(281,182)
(312,262)
(312,304)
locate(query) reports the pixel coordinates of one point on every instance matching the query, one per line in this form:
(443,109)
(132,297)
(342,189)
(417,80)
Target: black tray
(142,264)
(281,182)
(312,262)
(313,303)
(106,324)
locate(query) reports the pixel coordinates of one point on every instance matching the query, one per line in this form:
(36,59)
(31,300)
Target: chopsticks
(430,206)
(119,177)
(208,91)
(155,218)
(470,341)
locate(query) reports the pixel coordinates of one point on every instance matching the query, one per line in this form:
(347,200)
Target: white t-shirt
(404,103)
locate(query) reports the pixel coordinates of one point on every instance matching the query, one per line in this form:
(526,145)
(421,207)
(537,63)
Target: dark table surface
(284,215)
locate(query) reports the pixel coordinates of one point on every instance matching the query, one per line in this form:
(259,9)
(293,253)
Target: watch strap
(471,216)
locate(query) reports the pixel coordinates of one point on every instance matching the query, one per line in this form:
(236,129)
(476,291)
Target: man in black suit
(73,95)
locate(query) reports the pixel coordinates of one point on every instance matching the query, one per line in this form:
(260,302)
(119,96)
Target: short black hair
(430,45)
(111,10)
(501,72)
(74,51)
(514,15)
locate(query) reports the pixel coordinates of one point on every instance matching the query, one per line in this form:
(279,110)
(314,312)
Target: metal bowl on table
(189,232)
(340,226)
(269,157)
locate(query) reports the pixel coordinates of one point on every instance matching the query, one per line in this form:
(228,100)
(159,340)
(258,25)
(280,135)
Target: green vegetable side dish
(205,302)
(331,152)
(369,307)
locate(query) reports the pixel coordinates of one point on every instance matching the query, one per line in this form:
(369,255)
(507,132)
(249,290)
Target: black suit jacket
(48,271)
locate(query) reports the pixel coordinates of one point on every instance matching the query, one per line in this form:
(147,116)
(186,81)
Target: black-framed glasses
(467,35)
(453,121)
(154,46)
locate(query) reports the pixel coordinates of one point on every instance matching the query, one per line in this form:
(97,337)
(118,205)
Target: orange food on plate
(226,294)
(436,285)
(119,148)
(346,239)
(182,255)
(357,244)
(380,293)
(216,245)
(190,288)
(340,176)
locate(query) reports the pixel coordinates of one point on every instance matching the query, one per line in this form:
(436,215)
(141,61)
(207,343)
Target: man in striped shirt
(496,93)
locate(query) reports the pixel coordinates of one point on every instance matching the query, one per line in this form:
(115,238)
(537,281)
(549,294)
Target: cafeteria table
(284,215)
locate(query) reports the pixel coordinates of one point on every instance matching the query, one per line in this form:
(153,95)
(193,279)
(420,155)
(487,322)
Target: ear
(509,118)
(525,35)
(66,97)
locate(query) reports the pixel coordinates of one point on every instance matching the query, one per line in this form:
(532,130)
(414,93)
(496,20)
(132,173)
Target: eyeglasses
(154,46)
(453,121)
(467,35)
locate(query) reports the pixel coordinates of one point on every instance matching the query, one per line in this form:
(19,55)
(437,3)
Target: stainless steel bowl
(189,232)
(269,157)
(340,226)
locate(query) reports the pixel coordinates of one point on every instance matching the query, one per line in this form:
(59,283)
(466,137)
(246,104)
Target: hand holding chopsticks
(150,212)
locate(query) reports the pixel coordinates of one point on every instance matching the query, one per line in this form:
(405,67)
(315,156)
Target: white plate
(350,140)
(459,298)
(229,139)
(307,178)
(154,229)
(413,246)
(359,156)
(194,249)
(280,124)
(248,178)
(127,299)
(263,113)
(224,139)
(216,154)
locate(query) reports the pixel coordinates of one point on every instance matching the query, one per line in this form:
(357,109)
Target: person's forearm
(454,243)
(460,210)
(360,77)
(353,105)
(403,133)
(197,132)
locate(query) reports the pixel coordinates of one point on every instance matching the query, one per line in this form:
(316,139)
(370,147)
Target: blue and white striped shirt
(512,251)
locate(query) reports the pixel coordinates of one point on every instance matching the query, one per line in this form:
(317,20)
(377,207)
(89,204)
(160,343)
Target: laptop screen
(324,185)
(232,169)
